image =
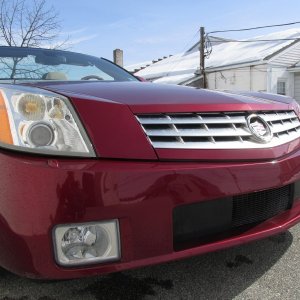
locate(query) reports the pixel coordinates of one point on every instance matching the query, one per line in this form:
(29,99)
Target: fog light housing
(87,243)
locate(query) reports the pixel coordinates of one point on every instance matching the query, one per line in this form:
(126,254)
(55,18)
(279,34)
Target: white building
(268,63)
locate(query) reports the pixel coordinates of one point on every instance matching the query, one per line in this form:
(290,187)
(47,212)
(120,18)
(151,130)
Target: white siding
(280,73)
(297,87)
(252,78)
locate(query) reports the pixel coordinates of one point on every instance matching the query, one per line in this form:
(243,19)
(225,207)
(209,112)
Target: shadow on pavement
(220,275)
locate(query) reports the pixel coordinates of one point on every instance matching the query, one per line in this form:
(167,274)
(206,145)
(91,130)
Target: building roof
(140,66)
(182,67)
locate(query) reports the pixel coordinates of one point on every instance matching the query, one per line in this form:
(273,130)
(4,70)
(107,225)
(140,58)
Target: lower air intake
(256,207)
(206,220)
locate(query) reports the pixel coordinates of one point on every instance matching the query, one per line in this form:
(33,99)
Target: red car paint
(132,182)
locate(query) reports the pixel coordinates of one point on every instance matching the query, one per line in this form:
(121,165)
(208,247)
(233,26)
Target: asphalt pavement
(267,269)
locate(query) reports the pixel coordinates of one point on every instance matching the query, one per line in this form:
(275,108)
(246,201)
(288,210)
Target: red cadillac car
(101,172)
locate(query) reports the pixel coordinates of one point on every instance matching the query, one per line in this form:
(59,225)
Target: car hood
(144,97)
(108,111)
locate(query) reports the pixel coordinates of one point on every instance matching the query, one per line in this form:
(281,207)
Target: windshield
(45,64)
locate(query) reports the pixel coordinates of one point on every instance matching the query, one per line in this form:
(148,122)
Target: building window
(281,87)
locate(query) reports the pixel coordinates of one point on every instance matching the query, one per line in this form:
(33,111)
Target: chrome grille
(226,130)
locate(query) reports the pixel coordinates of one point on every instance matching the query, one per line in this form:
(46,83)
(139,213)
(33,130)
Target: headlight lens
(297,107)
(39,121)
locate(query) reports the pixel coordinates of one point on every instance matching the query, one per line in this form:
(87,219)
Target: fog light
(79,244)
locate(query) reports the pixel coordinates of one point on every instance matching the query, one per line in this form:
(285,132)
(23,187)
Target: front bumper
(39,193)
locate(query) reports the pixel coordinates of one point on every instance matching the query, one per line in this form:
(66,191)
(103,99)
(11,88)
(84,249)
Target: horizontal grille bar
(217,130)
(193,119)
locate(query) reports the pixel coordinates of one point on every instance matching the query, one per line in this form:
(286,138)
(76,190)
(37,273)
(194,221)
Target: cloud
(68,39)
(78,40)
(75,31)
(120,23)
(69,42)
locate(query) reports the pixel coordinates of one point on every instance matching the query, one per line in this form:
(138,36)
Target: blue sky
(146,30)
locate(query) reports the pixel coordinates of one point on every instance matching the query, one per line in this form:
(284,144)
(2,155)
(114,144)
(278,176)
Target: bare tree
(26,23)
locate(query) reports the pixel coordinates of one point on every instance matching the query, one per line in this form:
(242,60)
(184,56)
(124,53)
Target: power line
(254,41)
(189,42)
(175,63)
(254,28)
(208,46)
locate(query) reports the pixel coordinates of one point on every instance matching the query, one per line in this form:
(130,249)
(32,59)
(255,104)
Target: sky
(147,30)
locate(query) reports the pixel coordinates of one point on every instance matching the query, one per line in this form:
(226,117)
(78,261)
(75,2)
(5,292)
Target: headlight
(297,107)
(39,121)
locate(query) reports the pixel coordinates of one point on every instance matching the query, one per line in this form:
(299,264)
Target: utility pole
(202,56)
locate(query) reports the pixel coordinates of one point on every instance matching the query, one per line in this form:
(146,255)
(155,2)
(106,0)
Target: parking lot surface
(267,269)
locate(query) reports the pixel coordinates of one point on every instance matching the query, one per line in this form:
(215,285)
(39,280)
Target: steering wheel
(88,77)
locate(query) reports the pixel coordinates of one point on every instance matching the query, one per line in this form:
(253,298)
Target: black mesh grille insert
(210,220)
(256,207)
